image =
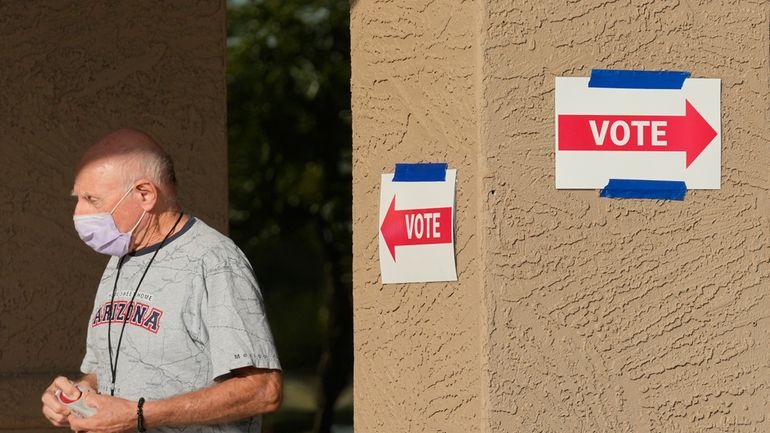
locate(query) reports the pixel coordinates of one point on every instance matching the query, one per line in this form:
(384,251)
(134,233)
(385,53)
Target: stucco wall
(72,71)
(625,316)
(594,315)
(414,88)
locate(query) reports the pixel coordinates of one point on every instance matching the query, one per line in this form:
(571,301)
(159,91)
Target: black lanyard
(129,308)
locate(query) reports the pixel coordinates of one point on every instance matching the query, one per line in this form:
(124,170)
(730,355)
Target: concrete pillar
(72,71)
(572,313)
(416,99)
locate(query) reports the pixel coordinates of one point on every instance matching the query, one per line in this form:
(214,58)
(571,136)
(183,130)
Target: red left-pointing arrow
(416,227)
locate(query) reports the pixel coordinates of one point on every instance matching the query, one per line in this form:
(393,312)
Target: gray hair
(155,164)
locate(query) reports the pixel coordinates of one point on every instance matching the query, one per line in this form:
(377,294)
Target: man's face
(98,189)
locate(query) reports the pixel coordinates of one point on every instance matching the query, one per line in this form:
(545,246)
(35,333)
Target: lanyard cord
(129,308)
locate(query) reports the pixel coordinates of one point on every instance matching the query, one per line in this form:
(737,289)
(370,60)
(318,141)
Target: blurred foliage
(289,132)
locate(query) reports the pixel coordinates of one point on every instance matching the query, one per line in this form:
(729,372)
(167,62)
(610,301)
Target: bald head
(129,176)
(132,154)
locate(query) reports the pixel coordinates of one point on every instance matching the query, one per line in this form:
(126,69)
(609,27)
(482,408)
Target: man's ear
(148,194)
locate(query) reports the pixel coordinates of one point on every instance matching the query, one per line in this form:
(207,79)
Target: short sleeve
(233,314)
(90,361)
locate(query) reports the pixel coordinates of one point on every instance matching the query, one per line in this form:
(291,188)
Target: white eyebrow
(84,194)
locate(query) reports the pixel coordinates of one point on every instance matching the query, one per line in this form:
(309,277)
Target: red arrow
(416,227)
(690,133)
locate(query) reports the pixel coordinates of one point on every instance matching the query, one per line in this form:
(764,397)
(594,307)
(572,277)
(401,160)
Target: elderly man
(178,339)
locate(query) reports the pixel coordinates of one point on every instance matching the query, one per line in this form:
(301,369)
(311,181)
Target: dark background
(75,69)
(289,136)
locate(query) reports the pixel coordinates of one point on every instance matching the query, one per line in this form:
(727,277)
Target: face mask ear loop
(121,199)
(137,223)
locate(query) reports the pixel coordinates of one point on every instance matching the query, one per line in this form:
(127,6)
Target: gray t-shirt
(197,315)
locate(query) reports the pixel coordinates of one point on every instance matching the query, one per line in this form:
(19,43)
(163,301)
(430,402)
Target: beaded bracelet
(140,416)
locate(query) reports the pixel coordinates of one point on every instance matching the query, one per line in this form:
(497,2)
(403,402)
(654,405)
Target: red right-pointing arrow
(416,227)
(690,133)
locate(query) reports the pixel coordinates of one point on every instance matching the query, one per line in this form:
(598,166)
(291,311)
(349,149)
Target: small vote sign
(417,226)
(431,226)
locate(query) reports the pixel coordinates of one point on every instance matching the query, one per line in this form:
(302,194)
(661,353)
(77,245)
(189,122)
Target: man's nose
(80,208)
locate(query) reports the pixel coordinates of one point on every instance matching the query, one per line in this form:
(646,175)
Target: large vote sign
(416,239)
(637,125)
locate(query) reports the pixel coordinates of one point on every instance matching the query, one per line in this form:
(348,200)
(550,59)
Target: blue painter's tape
(422,172)
(627,79)
(651,189)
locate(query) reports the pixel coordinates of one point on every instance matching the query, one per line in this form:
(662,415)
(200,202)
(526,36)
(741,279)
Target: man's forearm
(241,396)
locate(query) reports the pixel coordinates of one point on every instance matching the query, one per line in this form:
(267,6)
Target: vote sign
(416,225)
(428,226)
(648,134)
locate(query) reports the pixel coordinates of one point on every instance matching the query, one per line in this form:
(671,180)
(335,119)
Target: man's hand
(244,393)
(53,409)
(113,415)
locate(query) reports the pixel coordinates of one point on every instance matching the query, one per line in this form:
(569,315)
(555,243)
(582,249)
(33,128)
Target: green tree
(289,133)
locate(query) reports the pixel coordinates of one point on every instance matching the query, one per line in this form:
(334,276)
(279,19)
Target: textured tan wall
(73,70)
(625,316)
(414,87)
(595,315)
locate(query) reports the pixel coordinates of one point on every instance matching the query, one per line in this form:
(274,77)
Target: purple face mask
(99,231)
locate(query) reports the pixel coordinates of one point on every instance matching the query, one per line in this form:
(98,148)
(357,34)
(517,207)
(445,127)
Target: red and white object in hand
(77,405)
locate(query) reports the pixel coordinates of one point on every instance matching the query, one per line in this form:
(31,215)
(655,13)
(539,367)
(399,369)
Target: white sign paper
(416,230)
(645,134)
